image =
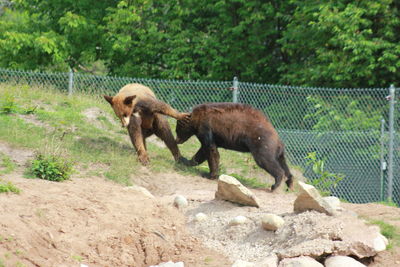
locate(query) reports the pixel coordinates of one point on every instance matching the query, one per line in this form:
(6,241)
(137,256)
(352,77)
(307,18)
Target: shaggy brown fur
(139,110)
(237,127)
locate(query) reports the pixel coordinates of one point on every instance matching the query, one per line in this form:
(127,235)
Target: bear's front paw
(183,116)
(184,161)
(144,159)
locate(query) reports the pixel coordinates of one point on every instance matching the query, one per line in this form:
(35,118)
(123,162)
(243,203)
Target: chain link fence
(348,128)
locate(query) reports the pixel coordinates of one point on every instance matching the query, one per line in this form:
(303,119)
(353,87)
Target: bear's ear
(128,100)
(108,98)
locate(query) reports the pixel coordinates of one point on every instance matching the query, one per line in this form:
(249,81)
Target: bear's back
(140,90)
(227,109)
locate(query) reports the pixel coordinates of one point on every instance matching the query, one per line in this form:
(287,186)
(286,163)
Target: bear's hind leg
(282,162)
(271,165)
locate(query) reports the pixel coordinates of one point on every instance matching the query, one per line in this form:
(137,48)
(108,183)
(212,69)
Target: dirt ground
(99,223)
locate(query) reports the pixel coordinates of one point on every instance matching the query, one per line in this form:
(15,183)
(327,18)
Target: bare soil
(100,223)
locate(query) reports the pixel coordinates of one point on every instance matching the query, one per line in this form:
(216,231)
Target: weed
(18,252)
(30,110)
(7,255)
(77,258)
(51,168)
(326,180)
(52,164)
(40,213)
(6,164)
(8,105)
(20,264)
(389,203)
(2,263)
(389,231)
(208,260)
(8,187)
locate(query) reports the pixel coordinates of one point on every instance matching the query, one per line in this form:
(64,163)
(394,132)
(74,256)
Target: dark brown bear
(237,127)
(141,112)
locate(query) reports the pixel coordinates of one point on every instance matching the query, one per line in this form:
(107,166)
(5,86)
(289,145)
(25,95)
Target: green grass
(88,145)
(8,187)
(391,232)
(389,203)
(6,164)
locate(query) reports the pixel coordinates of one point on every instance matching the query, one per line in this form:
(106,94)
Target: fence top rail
(242,85)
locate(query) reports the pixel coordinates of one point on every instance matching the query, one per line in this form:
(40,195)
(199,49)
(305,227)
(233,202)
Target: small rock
(342,261)
(333,201)
(180,202)
(303,261)
(140,189)
(310,199)
(238,220)
(380,243)
(199,217)
(169,264)
(272,222)
(230,189)
(83,265)
(240,263)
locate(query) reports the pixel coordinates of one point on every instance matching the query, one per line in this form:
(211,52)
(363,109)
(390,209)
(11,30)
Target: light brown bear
(138,109)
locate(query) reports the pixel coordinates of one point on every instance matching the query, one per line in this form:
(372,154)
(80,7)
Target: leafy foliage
(342,43)
(326,179)
(336,43)
(51,168)
(8,105)
(344,113)
(8,187)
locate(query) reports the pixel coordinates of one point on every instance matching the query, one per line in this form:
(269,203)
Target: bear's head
(184,130)
(123,108)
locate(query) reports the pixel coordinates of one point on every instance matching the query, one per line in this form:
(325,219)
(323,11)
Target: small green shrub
(6,164)
(325,179)
(51,168)
(8,187)
(8,105)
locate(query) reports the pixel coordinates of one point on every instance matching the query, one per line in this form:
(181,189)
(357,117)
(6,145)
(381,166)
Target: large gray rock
(310,199)
(342,261)
(230,189)
(272,222)
(313,234)
(302,261)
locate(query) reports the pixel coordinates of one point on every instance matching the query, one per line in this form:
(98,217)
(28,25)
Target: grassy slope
(105,150)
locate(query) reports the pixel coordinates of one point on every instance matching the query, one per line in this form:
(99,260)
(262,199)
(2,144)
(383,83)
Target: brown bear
(237,127)
(138,109)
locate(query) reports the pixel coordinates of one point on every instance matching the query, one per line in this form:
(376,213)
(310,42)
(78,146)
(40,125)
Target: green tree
(51,34)
(342,43)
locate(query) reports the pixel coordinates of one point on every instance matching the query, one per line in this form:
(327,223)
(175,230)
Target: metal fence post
(391,141)
(383,162)
(235,90)
(70,82)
